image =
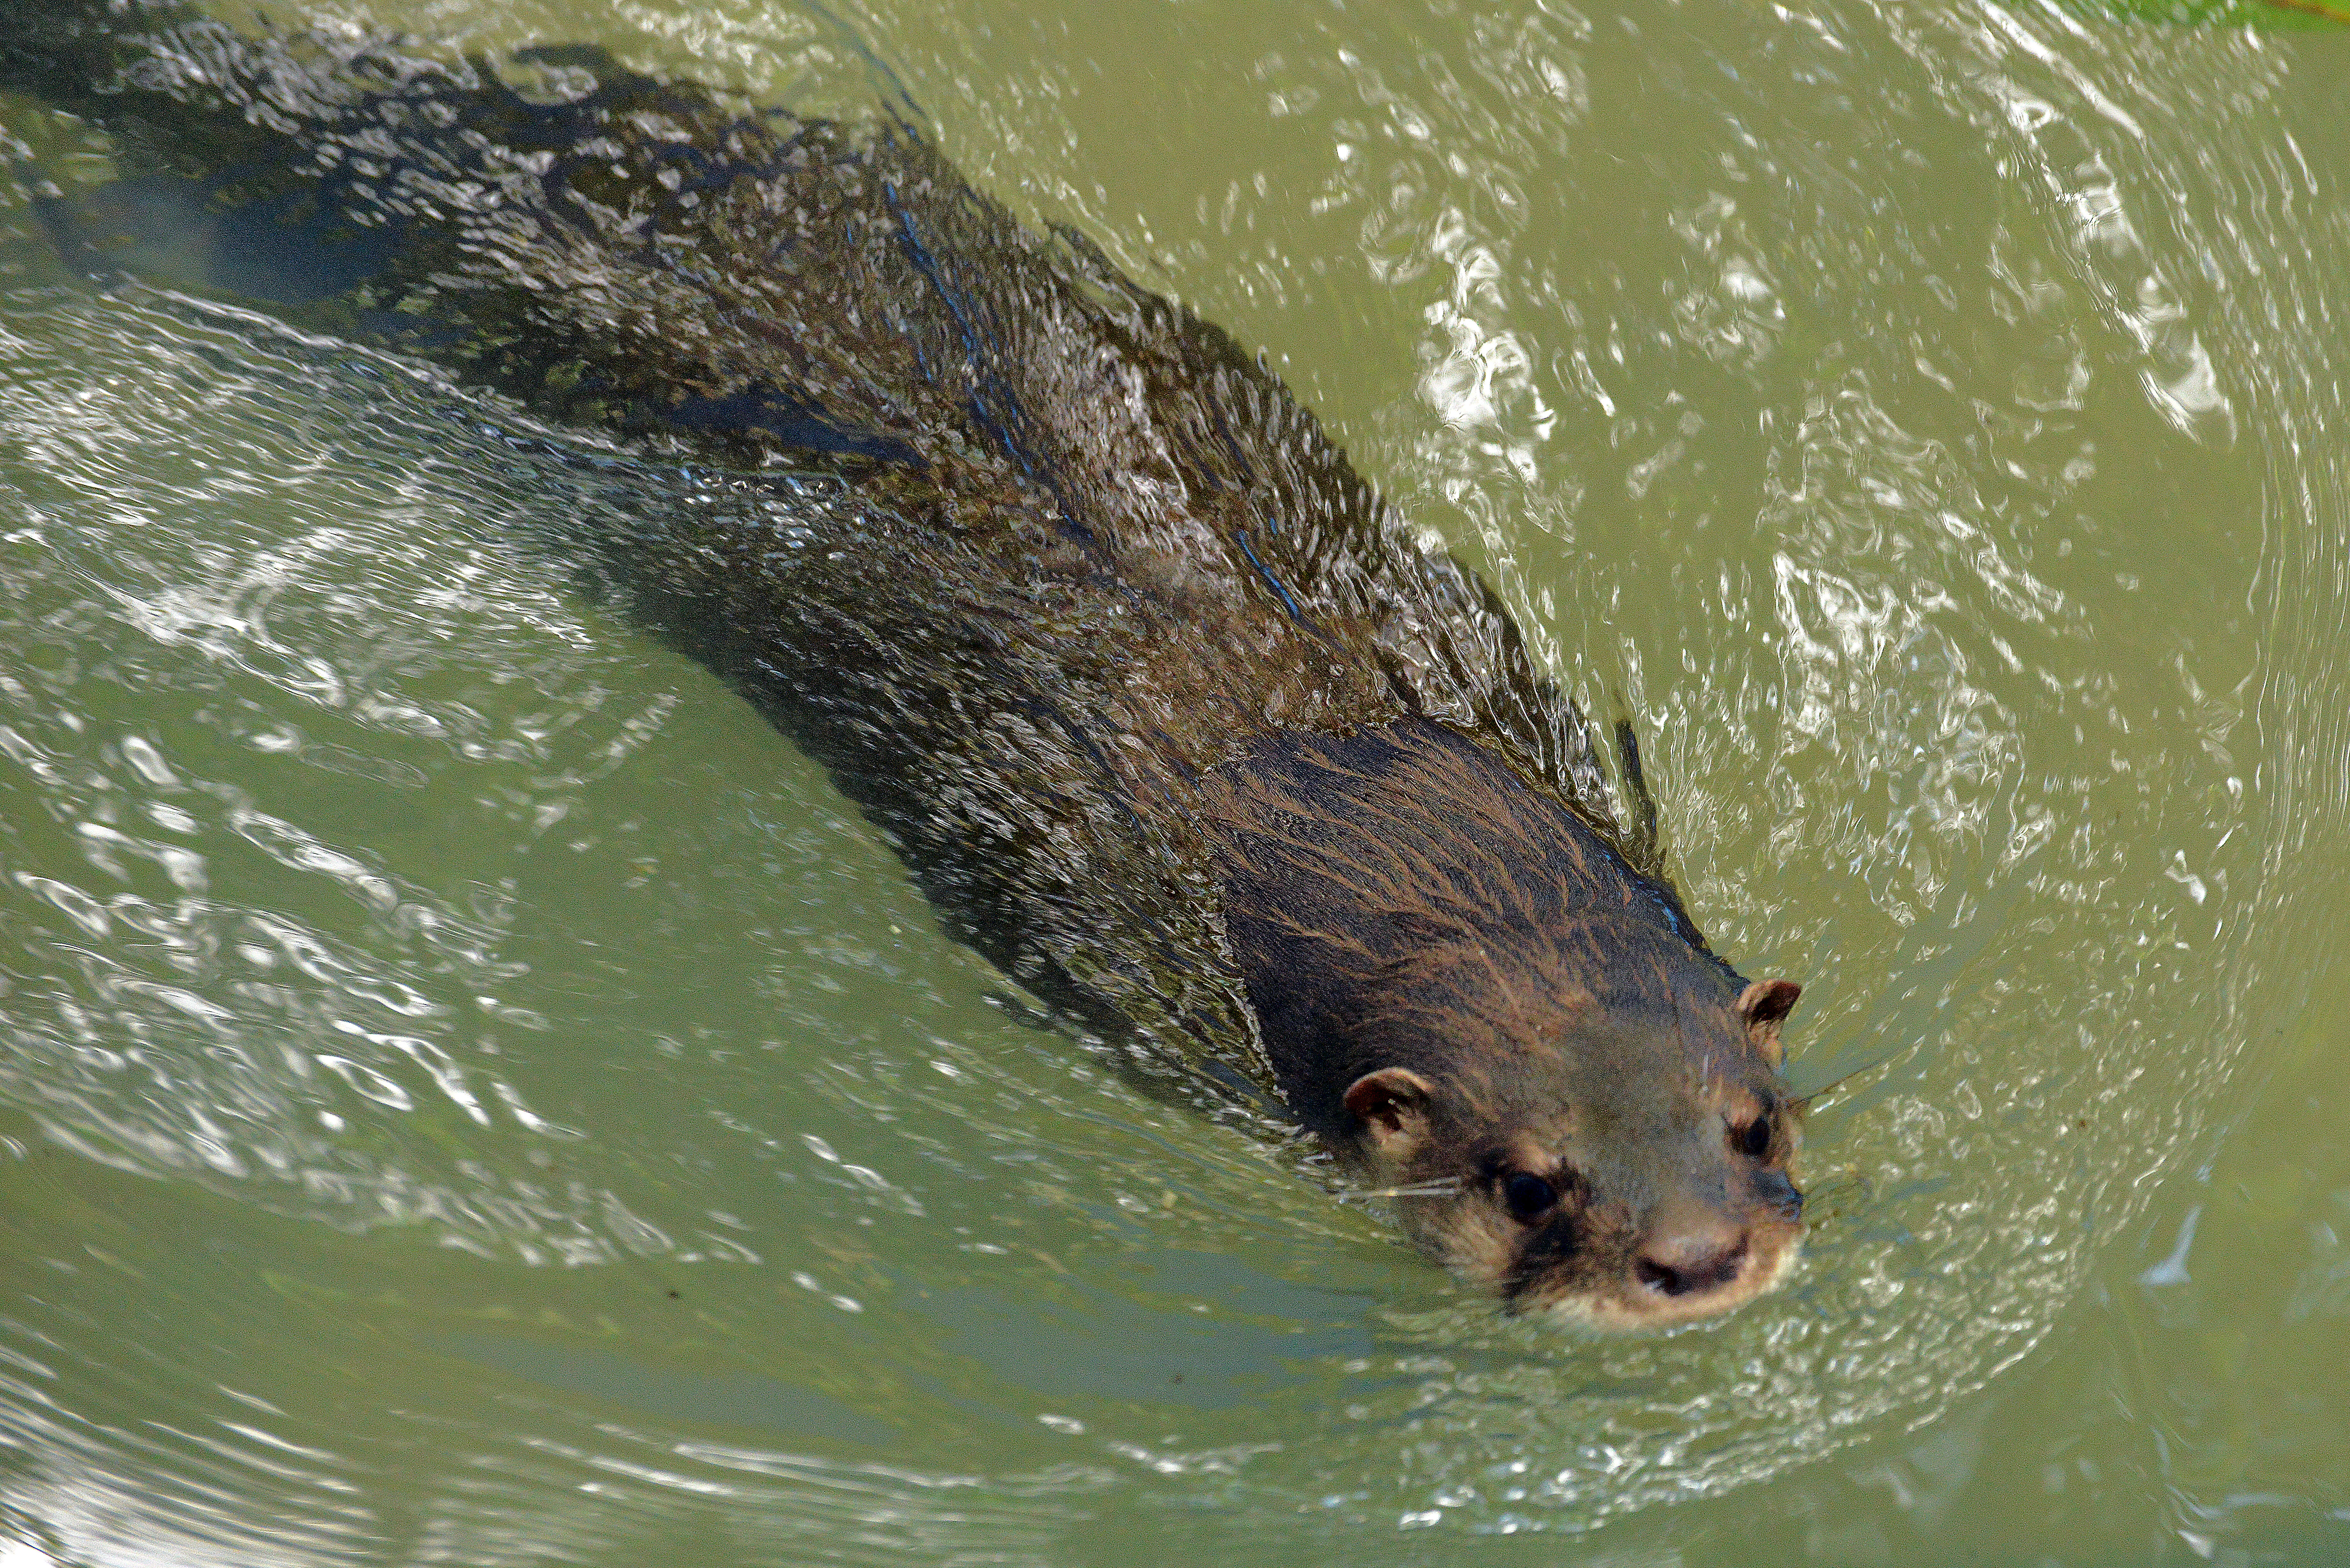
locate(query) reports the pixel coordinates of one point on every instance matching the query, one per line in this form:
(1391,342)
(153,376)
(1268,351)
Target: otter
(1157,699)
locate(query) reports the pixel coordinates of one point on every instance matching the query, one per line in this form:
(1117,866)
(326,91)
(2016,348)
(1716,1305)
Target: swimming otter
(1163,708)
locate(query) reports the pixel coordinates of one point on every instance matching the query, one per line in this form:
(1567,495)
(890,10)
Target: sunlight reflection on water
(1912,418)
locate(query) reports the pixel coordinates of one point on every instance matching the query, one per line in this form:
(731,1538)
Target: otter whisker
(1446,1188)
(1803,1094)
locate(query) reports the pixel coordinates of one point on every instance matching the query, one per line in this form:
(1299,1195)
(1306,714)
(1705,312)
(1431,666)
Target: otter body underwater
(1165,711)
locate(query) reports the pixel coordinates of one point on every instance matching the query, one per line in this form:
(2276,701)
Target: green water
(470,1094)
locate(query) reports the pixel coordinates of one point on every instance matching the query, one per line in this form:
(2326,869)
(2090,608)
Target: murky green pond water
(470,1094)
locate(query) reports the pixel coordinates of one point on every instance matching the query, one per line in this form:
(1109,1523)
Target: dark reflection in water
(1923,419)
(1021,552)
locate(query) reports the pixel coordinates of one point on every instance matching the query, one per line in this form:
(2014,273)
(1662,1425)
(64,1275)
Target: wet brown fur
(1399,900)
(1168,713)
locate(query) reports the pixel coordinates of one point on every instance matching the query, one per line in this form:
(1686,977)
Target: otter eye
(1529,1197)
(1753,1140)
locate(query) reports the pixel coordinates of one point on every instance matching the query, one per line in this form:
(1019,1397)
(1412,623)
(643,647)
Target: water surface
(472,1092)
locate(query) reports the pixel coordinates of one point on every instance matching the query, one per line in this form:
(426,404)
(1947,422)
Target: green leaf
(2276,15)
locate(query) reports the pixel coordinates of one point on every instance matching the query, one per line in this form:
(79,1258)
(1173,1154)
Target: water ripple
(467,1092)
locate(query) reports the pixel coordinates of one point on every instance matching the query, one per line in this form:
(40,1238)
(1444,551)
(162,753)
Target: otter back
(1169,715)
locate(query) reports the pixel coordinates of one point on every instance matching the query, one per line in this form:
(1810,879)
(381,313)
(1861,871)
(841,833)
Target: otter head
(1470,993)
(1615,1157)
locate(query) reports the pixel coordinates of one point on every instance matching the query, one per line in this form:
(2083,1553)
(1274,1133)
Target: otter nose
(1691,1256)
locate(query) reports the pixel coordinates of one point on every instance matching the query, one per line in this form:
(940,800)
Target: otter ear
(1763,1006)
(1392,1106)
